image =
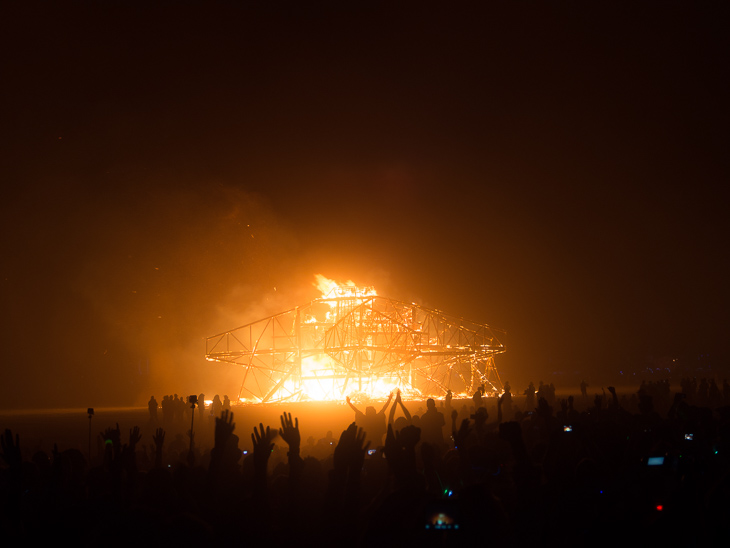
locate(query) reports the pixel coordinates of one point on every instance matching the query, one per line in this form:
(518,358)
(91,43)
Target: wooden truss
(362,346)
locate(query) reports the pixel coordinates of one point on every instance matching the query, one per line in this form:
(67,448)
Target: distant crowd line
(647,468)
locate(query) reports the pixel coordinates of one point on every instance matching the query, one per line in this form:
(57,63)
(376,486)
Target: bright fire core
(353,342)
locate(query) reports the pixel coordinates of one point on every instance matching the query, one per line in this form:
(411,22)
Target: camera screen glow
(441,521)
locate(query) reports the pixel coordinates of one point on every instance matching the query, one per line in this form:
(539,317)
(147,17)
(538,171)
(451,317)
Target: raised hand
(113,435)
(159,438)
(351,449)
(340,456)
(224,427)
(128,451)
(289,432)
(359,448)
(399,401)
(134,437)
(262,444)
(387,402)
(349,402)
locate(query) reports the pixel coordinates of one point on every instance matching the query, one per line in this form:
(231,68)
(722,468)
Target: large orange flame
(314,368)
(330,288)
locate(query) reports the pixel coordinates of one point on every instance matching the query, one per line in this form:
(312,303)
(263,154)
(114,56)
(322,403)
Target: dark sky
(171,172)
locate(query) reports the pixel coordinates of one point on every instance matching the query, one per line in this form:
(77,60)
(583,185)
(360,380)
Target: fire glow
(352,342)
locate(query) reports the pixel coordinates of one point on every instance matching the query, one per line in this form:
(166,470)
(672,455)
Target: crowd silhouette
(647,468)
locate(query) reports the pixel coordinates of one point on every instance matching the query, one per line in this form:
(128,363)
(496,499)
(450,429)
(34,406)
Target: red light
(659,507)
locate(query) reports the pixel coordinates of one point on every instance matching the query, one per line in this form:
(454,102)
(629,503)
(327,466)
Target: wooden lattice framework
(362,345)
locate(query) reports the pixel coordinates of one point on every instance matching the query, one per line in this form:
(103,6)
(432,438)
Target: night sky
(171,172)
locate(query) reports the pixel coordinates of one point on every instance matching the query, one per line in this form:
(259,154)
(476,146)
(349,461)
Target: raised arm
(355,409)
(262,439)
(387,403)
(129,450)
(403,407)
(343,489)
(218,466)
(391,415)
(159,440)
(289,432)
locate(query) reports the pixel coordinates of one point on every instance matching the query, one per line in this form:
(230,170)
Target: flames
(321,377)
(331,289)
(350,341)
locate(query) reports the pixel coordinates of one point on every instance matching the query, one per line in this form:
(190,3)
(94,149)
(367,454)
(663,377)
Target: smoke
(112,282)
(112,292)
(186,256)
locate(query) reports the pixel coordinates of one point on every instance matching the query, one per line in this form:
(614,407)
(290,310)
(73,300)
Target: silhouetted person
(506,401)
(372,422)
(432,423)
(176,411)
(551,394)
(530,397)
(217,406)
(545,474)
(226,403)
(447,403)
(583,389)
(152,406)
(400,422)
(166,411)
(201,405)
(477,397)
